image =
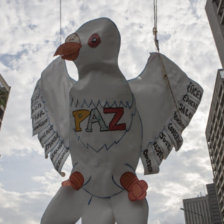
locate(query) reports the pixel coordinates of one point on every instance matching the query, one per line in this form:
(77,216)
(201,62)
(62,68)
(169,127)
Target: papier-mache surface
(106,123)
(163,121)
(50,111)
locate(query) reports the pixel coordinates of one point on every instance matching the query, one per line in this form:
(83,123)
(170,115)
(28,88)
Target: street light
(202,217)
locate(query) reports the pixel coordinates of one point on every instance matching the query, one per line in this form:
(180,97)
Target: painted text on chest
(94,116)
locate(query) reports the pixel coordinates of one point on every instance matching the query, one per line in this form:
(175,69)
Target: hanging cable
(60,33)
(165,76)
(155,30)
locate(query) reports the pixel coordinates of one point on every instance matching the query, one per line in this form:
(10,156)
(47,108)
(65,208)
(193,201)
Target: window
(221,73)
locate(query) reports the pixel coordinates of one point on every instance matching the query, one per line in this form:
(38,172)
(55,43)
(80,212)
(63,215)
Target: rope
(155,30)
(165,76)
(60,20)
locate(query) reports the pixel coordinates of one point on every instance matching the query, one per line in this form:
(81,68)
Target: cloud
(21,208)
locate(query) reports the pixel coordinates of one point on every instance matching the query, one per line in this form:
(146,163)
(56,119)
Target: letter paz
(94,116)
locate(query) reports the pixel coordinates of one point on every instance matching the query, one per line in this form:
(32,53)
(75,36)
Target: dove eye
(94,40)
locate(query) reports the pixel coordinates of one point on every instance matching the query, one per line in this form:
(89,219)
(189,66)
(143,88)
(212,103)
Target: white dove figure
(106,124)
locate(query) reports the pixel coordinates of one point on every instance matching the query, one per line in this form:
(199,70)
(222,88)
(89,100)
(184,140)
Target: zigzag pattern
(85,104)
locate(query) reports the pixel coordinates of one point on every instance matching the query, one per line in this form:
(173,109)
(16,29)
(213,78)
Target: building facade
(203,210)
(215,137)
(4,94)
(215,129)
(215,13)
(196,210)
(213,204)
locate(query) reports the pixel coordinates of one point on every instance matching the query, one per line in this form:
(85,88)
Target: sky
(29,37)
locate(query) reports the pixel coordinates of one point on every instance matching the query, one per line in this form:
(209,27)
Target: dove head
(95,43)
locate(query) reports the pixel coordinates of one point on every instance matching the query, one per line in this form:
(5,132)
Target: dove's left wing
(50,112)
(165,108)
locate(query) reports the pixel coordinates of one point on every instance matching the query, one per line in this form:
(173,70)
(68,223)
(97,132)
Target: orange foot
(66,183)
(136,188)
(76,180)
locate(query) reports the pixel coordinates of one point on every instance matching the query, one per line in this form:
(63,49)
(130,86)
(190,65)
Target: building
(196,211)
(215,129)
(4,94)
(215,13)
(213,204)
(203,210)
(215,137)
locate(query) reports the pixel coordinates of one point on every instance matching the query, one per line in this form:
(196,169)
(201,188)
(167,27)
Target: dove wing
(50,112)
(163,120)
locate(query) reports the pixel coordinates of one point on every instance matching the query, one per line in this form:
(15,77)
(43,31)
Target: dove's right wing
(165,111)
(50,112)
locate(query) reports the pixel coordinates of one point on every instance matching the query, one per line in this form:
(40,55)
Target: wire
(60,20)
(165,74)
(155,13)
(155,30)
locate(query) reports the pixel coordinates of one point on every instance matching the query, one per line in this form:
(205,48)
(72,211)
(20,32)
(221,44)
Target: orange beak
(69,50)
